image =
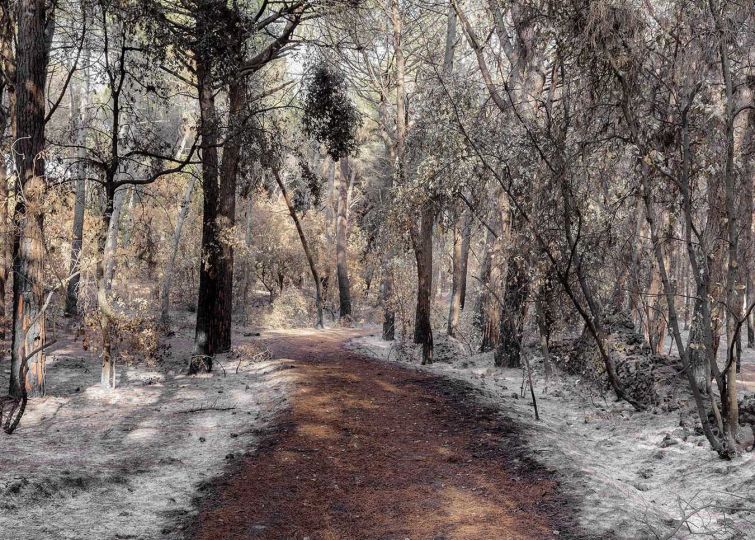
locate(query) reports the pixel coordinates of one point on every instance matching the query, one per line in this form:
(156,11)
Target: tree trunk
(108,246)
(305,246)
(127,220)
(487,318)
(246,275)
(448,55)
(7,122)
(734,296)
(79,107)
(342,264)
(654,317)
(462,233)
(386,279)
(513,312)
(673,319)
(544,321)
(223,306)
(423,251)
(397,152)
(698,357)
(28,248)
(211,252)
(748,249)
(5,237)
(114,221)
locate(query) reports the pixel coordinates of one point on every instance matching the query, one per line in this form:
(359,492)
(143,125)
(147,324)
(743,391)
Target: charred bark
(423,251)
(223,306)
(211,251)
(28,248)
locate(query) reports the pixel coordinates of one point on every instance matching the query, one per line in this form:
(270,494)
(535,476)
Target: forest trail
(371,450)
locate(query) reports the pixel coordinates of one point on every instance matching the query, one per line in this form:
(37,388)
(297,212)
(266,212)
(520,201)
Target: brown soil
(371,450)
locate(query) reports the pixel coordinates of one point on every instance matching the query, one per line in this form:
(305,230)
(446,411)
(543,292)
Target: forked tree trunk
(108,246)
(657,319)
(127,219)
(345,181)
(28,248)
(183,213)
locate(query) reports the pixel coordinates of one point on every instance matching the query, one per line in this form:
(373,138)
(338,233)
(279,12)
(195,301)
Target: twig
(200,409)
(532,388)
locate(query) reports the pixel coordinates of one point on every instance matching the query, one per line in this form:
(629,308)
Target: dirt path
(369,450)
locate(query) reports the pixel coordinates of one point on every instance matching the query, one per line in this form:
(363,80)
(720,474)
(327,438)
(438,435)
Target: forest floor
(317,442)
(372,450)
(338,436)
(86,463)
(635,474)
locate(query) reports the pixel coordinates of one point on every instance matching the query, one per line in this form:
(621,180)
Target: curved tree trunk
(305,246)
